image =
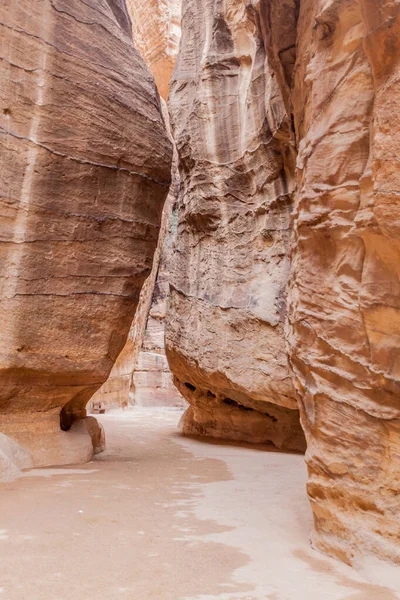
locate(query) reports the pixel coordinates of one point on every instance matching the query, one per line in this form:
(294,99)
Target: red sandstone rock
(156,32)
(344,300)
(84,172)
(246,70)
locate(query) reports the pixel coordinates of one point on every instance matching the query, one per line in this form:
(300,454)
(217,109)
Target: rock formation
(85,169)
(285,278)
(152,380)
(141,373)
(156,32)
(225,328)
(344,300)
(286,121)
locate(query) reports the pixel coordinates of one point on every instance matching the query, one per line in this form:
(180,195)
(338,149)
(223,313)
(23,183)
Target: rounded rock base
(44,444)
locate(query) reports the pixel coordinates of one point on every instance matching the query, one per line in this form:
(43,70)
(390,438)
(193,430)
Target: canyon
(200,209)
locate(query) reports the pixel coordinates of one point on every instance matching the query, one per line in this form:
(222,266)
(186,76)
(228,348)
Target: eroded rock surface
(85,169)
(13,459)
(286,119)
(156,32)
(225,328)
(152,379)
(344,302)
(141,373)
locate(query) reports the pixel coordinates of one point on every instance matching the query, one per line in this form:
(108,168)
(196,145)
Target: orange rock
(156,28)
(85,169)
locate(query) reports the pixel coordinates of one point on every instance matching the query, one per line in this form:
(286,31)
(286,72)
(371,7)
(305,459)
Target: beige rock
(13,459)
(84,172)
(47,445)
(156,33)
(152,380)
(141,374)
(225,339)
(225,327)
(344,301)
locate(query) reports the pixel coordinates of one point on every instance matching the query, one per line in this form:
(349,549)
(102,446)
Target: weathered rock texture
(156,32)
(330,72)
(141,373)
(85,169)
(225,329)
(14,458)
(344,301)
(135,376)
(152,379)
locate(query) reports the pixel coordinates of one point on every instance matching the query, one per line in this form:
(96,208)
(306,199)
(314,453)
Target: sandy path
(160,517)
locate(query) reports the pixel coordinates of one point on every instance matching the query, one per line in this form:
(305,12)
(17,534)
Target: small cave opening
(231,402)
(190,387)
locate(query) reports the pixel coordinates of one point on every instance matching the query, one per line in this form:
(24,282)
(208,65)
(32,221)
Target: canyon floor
(162,517)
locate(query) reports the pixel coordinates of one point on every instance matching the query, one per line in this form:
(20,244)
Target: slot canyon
(200,299)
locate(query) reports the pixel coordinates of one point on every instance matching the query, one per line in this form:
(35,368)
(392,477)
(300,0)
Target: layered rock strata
(141,373)
(256,84)
(225,328)
(344,300)
(156,32)
(152,379)
(85,169)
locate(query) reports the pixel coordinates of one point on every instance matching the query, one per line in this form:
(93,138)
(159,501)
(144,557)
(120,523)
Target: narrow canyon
(200,292)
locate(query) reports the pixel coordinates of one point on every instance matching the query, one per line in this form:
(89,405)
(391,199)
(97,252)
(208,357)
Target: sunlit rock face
(344,332)
(225,327)
(84,172)
(156,33)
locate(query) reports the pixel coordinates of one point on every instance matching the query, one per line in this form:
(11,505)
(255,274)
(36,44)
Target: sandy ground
(161,517)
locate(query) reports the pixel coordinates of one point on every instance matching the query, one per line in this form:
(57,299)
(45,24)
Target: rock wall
(225,327)
(156,31)
(152,379)
(141,374)
(286,121)
(344,300)
(85,169)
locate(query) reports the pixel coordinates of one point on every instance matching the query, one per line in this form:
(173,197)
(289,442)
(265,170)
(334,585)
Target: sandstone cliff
(141,373)
(85,169)
(344,300)
(152,379)
(225,328)
(286,121)
(156,31)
